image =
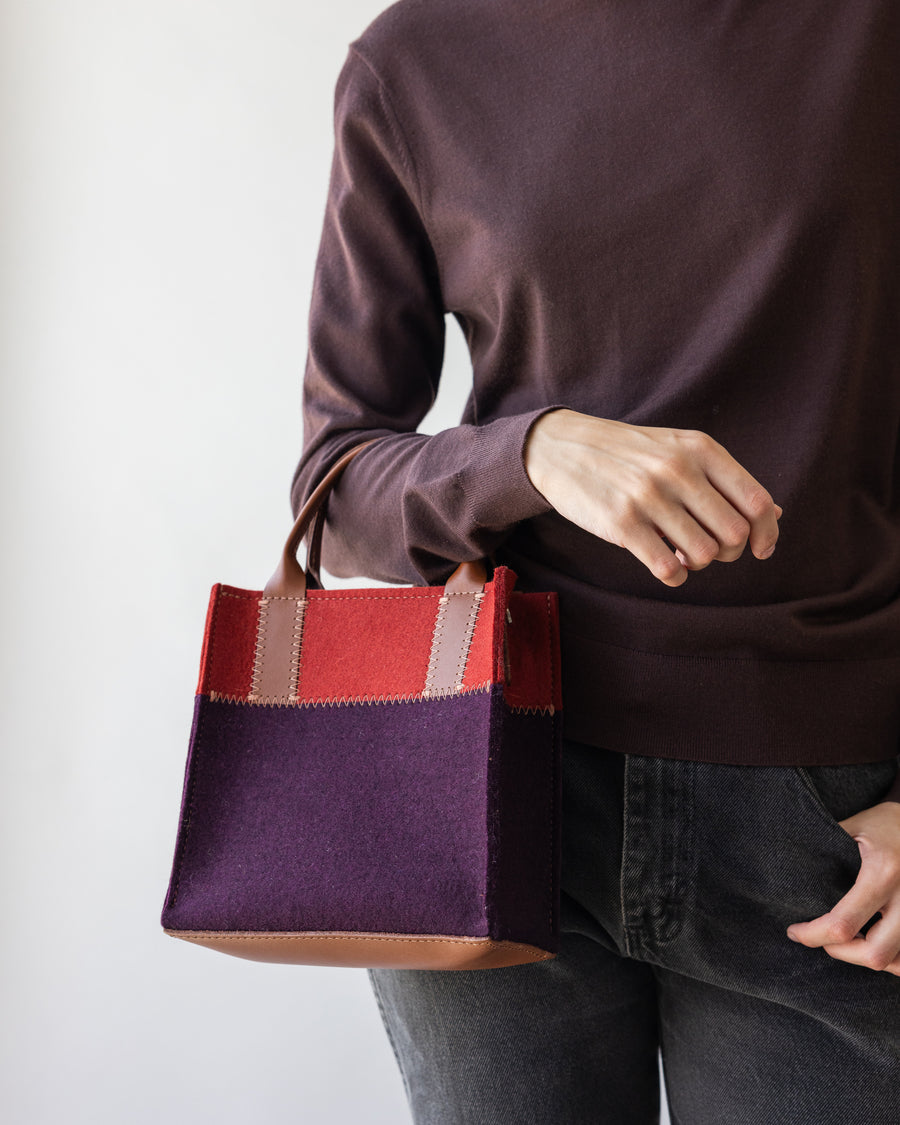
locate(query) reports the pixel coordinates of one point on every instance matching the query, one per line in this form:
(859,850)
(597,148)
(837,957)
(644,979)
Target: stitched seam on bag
(337,596)
(519,709)
(284,701)
(259,650)
(296,641)
(437,639)
(468,634)
(438,642)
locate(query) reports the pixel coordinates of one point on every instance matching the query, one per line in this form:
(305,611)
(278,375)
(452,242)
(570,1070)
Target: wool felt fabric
(384,811)
(668,214)
(346,810)
(362,652)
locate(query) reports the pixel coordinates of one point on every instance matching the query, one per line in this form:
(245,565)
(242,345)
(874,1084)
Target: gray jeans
(679,880)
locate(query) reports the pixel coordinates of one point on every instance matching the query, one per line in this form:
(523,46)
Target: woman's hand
(635,485)
(876,890)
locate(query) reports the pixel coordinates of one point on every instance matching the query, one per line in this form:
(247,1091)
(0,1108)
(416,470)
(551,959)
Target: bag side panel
(525,827)
(533,651)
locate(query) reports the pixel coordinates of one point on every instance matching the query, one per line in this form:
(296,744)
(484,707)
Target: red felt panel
(229,642)
(372,643)
(533,648)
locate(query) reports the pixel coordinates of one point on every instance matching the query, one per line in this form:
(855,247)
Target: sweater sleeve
(412,506)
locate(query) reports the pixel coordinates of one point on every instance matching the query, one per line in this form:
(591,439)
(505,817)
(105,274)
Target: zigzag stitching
(437,637)
(338,596)
(280,701)
(296,649)
(259,648)
(469,633)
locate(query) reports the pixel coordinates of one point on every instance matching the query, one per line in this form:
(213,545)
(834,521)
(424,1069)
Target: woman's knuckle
(758,501)
(666,567)
(842,929)
(702,447)
(878,958)
(887,867)
(704,551)
(735,532)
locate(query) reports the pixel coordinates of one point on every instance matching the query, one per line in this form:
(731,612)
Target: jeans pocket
(838,792)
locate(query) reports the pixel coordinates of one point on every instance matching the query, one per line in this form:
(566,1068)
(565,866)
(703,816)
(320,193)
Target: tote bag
(373,774)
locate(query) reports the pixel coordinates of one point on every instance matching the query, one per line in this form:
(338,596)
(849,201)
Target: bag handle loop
(290,579)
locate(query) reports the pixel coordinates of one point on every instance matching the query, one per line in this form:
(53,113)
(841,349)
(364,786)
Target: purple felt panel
(361,817)
(526,838)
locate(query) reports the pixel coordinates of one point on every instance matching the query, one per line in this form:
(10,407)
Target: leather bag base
(406,951)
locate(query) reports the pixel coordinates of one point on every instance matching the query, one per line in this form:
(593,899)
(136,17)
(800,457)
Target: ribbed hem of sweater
(707,709)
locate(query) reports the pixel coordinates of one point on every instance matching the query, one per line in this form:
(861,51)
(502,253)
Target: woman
(671,236)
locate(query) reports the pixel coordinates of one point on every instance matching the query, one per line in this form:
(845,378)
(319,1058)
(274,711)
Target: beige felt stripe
(453,629)
(277,657)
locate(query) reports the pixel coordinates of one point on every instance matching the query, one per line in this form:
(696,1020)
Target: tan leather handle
(314,550)
(289,579)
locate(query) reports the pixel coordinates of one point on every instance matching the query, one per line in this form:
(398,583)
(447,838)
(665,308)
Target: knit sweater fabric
(682,215)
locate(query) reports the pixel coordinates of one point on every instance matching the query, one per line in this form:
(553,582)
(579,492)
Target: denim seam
(376,990)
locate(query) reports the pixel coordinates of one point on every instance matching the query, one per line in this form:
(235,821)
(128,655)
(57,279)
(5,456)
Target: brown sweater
(668,214)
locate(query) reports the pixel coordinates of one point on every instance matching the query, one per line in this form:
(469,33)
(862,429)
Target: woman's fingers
(743,493)
(712,506)
(693,546)
(645,488)
(711,531)
(647,545)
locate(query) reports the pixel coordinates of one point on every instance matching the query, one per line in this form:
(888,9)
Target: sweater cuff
(501,461)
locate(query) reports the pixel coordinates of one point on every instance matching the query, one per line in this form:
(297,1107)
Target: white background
(163,185)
